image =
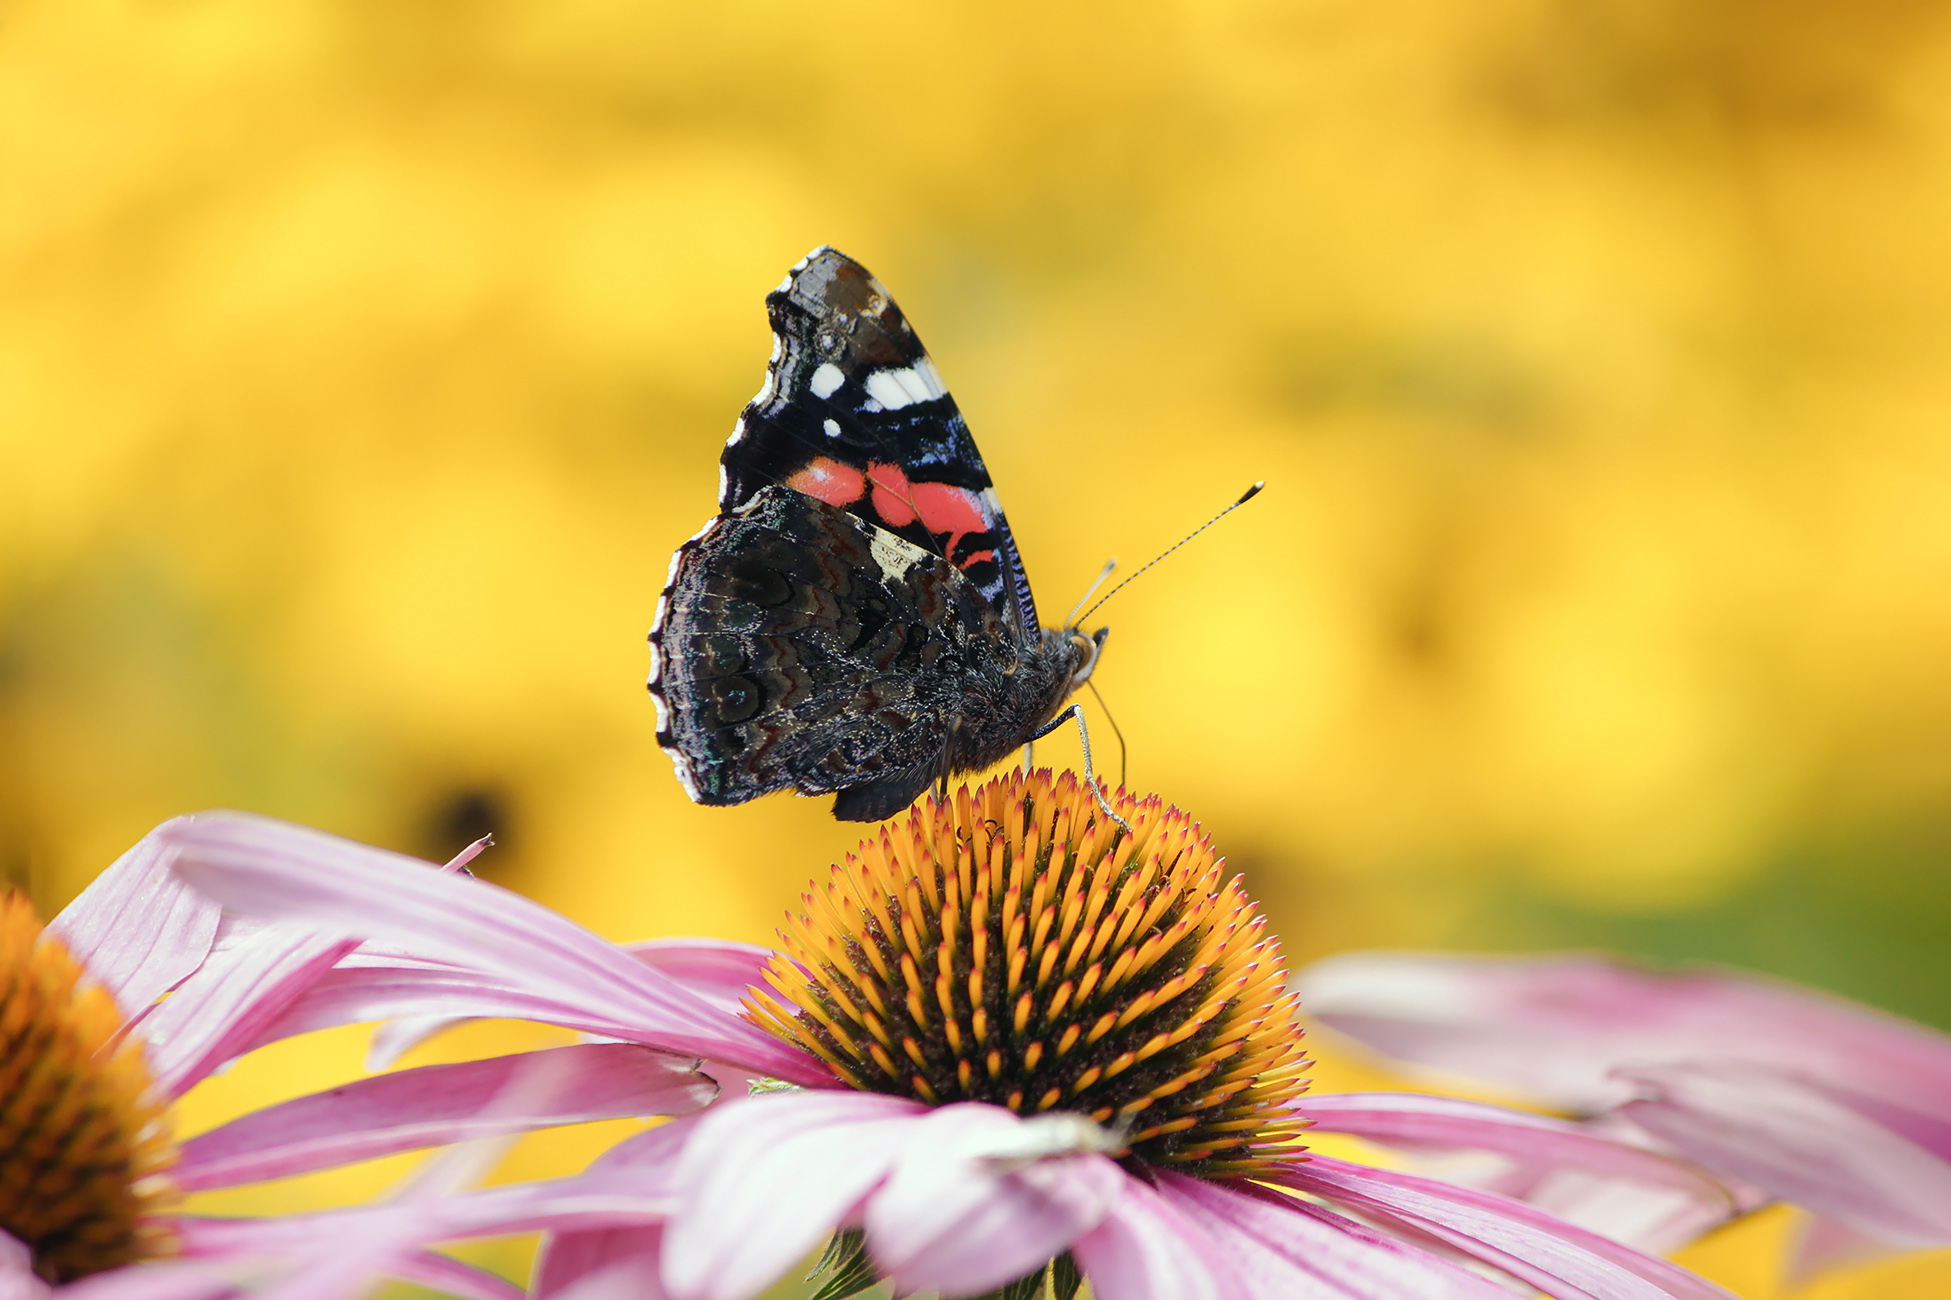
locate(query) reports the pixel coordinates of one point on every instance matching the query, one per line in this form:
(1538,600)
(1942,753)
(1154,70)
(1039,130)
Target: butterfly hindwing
(803,648)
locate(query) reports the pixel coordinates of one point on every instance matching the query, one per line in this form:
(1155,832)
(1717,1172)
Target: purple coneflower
(1005,1047)
(91,1061)
(1809,1098)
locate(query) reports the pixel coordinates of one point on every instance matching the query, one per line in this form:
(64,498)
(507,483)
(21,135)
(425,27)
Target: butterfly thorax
(1022,699)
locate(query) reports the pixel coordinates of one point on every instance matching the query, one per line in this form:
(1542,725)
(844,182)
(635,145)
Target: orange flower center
(1016,948)
(83,1142)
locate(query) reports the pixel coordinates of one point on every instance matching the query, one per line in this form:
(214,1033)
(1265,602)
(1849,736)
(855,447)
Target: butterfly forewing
(855,413)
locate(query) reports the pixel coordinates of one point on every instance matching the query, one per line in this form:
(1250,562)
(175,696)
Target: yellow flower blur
(362,364)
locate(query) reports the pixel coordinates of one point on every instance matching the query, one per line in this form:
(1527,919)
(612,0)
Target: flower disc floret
(1013,946)
(84,1140)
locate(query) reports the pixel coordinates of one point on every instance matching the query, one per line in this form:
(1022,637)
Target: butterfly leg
(1071,714)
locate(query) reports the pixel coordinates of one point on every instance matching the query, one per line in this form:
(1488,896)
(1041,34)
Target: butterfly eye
(1083,650)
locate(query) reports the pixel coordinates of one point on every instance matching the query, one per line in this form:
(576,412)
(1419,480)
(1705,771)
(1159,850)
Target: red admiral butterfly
(856,620)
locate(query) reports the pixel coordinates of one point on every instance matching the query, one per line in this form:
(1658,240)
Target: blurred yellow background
(362,361)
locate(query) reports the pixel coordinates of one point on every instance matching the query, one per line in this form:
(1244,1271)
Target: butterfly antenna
(1116,730)
(1245,497)
(1091,591)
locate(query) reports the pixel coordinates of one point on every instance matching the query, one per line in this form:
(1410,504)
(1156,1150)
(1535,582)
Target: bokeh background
(362,361)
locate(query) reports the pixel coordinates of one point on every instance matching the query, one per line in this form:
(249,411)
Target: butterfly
(855,620)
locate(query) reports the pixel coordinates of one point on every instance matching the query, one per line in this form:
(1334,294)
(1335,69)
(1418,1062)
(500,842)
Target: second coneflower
(93,1056)
(84,1137)
(1021,1050)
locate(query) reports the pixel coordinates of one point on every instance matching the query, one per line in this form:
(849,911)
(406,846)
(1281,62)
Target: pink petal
(278,870)
(1555,1027)
(348,1267)
(625,1280)
(348,995)
(1799,1143)
(947,1221)
(1574,1171)
(1932,1132)
(651,1156)
(220,1012)
(282,1236)
(718,970)
(571,1261)
(585,1202)
(1415,1120)
(395,1038)
(1287,1247)
(1646,1217)
(1824,1243)
(460,860)
(768,1179)
(1145,1249)
(629,1258)
(163,1280)
(433,1105)
(629,1186)
(390,1242)
(138,929)
(381,955)
(17,1278)
(1567,1262)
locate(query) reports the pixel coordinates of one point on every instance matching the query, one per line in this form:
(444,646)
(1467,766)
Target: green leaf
(845,1258)
(1028,1287)
(1065,1279)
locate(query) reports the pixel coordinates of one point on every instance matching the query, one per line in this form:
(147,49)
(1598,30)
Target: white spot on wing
(931,378)
(832,428)
(738,429)
(827,380)
(893,556)
(884,388)
(992,503)
(895,389)
(786,285)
